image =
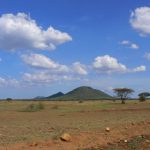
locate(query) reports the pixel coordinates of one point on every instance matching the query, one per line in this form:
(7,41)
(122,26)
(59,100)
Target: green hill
(84,93)
(55,95)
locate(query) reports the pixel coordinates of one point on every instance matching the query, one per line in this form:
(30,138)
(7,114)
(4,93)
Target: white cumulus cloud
(21,32)
(40,61)
(140,20)
(140,69)
(43,62)
(107,64)
(80,68)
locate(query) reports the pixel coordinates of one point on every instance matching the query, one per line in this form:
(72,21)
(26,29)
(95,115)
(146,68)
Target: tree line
(124,93)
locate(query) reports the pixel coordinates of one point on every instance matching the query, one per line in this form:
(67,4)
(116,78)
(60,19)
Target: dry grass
(72,117)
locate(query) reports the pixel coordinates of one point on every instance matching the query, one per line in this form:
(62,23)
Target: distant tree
(123,93)
(143,96)
(9,99)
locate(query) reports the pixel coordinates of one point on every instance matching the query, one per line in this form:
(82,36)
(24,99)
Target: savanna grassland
(21,128)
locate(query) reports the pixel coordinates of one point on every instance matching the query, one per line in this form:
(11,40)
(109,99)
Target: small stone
(147,141)
(125,141)
(65,137)
(34,144)
(140,136)
(107,129)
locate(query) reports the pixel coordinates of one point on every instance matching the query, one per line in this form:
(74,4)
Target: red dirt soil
(90,139)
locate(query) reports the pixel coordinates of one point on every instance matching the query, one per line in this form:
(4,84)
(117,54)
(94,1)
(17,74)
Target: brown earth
(89,140)
(41,130)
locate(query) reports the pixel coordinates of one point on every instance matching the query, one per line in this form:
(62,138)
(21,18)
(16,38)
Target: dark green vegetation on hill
(55,95)
(84,93)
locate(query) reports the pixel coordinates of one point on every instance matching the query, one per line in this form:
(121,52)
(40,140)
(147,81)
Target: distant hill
(55,95)
(39,97)
(84,93)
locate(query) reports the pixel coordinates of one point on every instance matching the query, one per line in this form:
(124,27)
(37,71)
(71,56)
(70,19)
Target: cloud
(40,61)
(21,32)
(140,20)
(47,70)
(8,82)
(43,62)
(0,59)
(129,44)
(140,69)
(147,56)
(125,42)
(46,77)
(2,81)
(79,68)
(107,64)
(134,46)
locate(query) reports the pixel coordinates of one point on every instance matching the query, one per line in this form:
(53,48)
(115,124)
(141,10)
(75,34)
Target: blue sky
(57,45)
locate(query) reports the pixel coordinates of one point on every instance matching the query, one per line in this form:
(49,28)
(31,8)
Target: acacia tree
(123,93)
(143,96)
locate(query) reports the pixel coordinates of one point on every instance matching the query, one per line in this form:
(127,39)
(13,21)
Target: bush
(34,107)
(8,99)
(30,108)
(81,101)
(142,98)
(40,106)
(54,107)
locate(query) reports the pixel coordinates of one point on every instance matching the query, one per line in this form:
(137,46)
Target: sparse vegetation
(74,118)
(123,93)
(34,107)
(143,96)
(135,143)
(80,101)
(40,106)
(55,107)
(9,99)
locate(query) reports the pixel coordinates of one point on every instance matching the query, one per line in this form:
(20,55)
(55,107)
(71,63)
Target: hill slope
(84,93)
(55,95)
(39,97)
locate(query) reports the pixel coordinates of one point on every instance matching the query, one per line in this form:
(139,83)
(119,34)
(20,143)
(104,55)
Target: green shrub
(9,99)
(34,107)
(40,106)
(142,98)
(81,101)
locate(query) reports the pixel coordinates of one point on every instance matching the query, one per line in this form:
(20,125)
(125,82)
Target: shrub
(81,101)
(40,106)
(142,98)
(34,107)
(55,107)
(30,108)
(9,99)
